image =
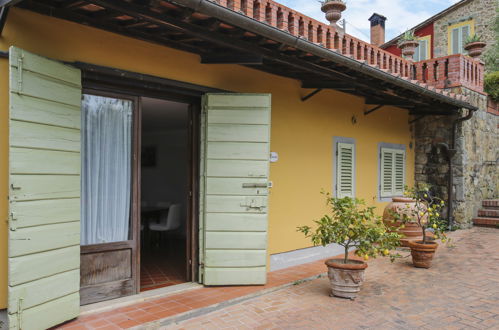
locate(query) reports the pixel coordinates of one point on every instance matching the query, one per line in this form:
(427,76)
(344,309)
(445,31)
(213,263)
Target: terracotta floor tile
(109,327)
(98,323)
(128,324)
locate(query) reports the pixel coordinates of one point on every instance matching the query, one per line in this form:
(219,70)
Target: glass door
(109,195)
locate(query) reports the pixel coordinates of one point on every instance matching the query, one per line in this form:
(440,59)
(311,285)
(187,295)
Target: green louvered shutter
(345,174)
(399,172)
(392,172)
(44,197)
(234,189)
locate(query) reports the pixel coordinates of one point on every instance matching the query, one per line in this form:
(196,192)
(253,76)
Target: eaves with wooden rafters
(220,35)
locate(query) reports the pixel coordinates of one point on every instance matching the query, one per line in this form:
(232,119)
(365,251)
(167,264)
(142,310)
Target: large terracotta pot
(411,230)
(333,9)
(475,49)
(408,48)
(422,254)
(346,279)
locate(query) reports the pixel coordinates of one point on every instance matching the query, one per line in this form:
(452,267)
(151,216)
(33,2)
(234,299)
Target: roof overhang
(220,35)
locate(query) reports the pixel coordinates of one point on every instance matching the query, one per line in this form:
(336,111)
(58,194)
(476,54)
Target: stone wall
(482,11)
(478,139)
(475,164)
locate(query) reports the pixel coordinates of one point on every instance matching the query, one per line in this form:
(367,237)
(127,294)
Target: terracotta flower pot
(408,48)
(411,230)
(346,279)
(422,254)
(475,49)
(333,10)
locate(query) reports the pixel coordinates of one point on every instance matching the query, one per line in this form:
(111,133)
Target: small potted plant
(426,212)
(474,45)
(408,43)
(333,9)
(353,226)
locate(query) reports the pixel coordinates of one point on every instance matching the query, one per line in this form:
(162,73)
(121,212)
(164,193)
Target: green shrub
(492,85)
(472,38)
(407,36)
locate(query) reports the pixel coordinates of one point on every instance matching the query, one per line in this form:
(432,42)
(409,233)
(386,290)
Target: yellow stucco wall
(302,132)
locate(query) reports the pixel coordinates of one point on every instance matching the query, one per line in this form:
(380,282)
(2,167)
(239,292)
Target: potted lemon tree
(353,226)
(426,213)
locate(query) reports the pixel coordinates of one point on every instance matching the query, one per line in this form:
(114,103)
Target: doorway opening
(165,186)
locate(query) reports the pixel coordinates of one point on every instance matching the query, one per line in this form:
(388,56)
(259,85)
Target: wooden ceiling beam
(210,33)
(216,58)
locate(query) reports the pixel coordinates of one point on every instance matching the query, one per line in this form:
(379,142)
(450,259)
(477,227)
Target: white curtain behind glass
(106,169)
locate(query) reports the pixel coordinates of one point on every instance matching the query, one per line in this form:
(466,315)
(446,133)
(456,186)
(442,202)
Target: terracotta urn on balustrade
(404,206)
(475,49)
(408,49)
(333,9)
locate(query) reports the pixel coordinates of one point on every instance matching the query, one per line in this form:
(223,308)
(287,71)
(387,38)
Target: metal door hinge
(13,221)
(20,313)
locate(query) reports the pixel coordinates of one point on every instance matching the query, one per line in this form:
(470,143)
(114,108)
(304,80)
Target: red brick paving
(460,291)
(160,308)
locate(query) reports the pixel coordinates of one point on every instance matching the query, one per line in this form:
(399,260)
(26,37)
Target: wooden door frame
(122,82)
(133,242)
(192,242)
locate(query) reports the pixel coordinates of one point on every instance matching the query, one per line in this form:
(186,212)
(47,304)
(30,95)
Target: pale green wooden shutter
(44,208)
(386,172)
(234,191)
(345,174)
(392,172)
(399,172)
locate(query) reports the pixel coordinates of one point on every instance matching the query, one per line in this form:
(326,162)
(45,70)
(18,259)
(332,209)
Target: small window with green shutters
(392,179)
(345,169)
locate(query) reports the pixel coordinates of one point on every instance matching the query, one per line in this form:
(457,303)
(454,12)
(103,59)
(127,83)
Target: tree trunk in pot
(403,206)
(346,279)
(422,254)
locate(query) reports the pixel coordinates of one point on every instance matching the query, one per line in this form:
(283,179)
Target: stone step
(489,213)
(491,203)
(487,222)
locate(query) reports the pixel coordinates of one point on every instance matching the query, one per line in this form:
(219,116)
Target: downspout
(450,152)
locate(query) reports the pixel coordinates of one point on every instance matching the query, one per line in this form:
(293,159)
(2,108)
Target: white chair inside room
(169,220)
(163,204)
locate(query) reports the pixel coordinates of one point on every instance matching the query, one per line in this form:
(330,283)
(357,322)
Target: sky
(401,14)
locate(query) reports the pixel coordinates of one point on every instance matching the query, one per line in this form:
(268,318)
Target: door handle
(255,185)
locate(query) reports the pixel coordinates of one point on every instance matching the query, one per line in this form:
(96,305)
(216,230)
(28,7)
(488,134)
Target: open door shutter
(234,189)
(345,170)
(44,215)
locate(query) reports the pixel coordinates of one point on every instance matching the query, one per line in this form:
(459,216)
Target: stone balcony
(440,73)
